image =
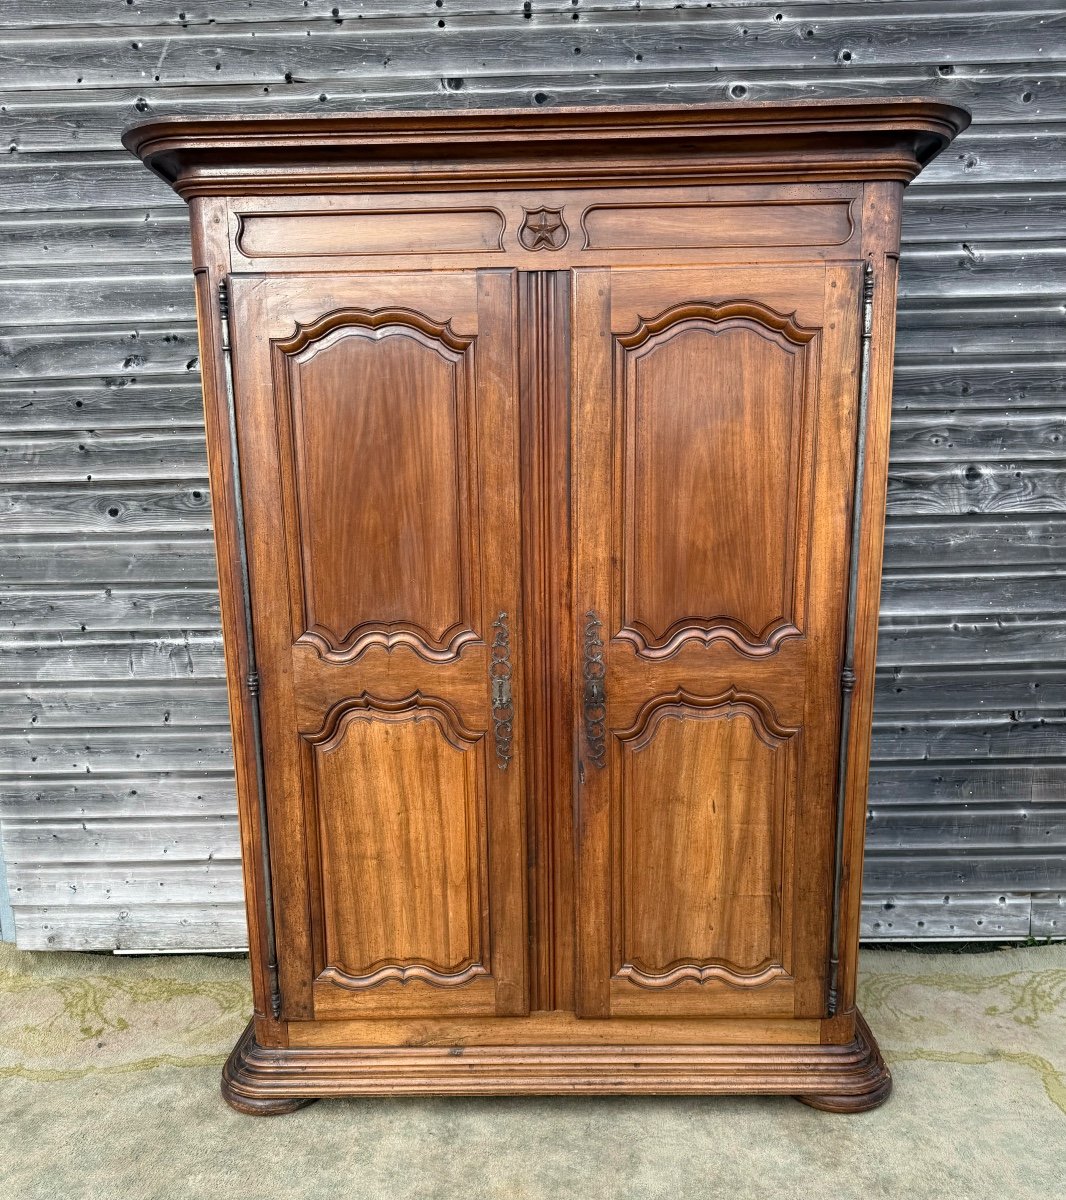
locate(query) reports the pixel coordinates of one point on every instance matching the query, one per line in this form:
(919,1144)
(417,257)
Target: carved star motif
(541,229)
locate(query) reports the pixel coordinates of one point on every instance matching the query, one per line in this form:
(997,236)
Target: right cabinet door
(713,463)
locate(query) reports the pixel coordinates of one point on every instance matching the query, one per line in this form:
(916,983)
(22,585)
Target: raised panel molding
(451,514)
(406,320)
(405,973)
(393,845)
(753,643)
(732,703)
(366,232)
(414,707)
(675,226)
(702,972)
(634,968)
(758,316)
(654,639)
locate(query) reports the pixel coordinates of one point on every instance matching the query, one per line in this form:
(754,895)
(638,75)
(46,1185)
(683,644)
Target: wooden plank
(986,268)
(125,235)
(123,706)
(1049,915)
(455,46)
(145,294)
(925,739)
(1001,638)
(144,14)
(98,349)
(148,608)
(1002,381)
(1000,154)
(998,693)
(94,507)
(945,872)
(158,560)
(950,434)
(161,292)
(989,827)
(958,214)
(1032,591)
(976,487)
(936,784)
(1008,328)
(90,118)
(211,882)
(58,457)
(157,796)
(112,402)
(123,655)
(81,293)
(72,182)
(148,235)
(144,840)
(1008,540)
(33,183)
(908,916)
(1013,327)
(147,13)
(115,751)
(143,926)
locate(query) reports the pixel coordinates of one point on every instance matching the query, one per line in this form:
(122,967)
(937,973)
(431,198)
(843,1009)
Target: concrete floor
(109,1073)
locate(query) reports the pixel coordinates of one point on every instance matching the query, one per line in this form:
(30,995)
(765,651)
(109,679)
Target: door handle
(502,702)
(594,672)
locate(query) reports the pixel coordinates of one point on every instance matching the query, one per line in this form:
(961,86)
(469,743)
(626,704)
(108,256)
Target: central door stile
(544,379)
(591,465)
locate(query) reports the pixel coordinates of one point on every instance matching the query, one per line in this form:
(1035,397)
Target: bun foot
(248,1090)
(845,1102)
(262,1108)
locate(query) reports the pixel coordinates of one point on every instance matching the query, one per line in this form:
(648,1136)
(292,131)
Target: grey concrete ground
(108,1089)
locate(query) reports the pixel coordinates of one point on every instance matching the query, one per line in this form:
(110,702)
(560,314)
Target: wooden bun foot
(262,1108)
(242,1090)
(851,1103)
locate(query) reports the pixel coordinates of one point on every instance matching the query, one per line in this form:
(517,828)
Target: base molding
(259,1080)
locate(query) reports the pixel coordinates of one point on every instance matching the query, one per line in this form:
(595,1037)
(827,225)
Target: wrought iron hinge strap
(594,671)
(500,671)
(252,677)
(847,674)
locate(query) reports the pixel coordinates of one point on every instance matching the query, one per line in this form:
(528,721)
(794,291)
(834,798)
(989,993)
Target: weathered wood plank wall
(116,795)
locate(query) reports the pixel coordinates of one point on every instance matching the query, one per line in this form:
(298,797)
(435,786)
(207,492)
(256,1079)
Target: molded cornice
(810,140)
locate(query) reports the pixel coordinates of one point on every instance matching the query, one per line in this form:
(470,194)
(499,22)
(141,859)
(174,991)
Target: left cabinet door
(378,437)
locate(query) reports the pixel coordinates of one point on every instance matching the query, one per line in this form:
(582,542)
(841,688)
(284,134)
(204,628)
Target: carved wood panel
(379,470)
(711,541)
(398,794)
(378,426)
(713,857)
(713,404)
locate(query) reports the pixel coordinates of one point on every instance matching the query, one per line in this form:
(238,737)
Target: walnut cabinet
(548,459)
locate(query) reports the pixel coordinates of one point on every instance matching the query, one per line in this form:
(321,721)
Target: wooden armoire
(548,454)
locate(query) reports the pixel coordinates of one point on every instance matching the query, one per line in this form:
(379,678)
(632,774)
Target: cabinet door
(379,454)
(713,456)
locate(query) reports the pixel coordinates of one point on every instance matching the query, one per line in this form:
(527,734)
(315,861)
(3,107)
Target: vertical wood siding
(116,796)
